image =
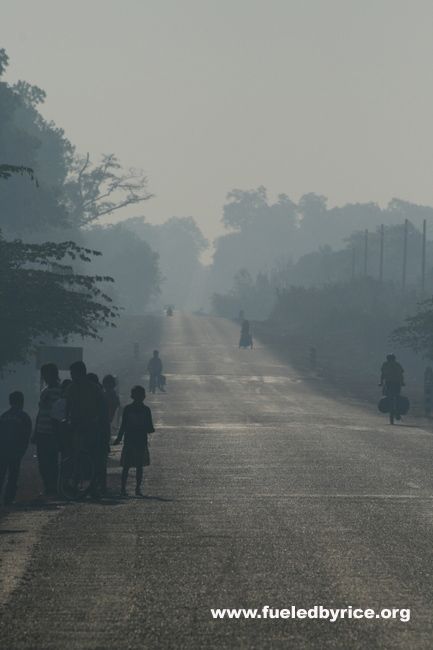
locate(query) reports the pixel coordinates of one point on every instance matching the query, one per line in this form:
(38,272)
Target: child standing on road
(136,425)
(15,431)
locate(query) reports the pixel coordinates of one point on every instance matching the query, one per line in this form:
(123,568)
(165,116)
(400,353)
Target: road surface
(263,491)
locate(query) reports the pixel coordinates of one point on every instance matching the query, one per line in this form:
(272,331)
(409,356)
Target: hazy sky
(329,96)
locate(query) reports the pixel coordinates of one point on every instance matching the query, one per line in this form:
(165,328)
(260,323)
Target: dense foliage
(417,333)
(131,262)
(274,237)
(255,298)
(41,295)
(179,243)
(49,194)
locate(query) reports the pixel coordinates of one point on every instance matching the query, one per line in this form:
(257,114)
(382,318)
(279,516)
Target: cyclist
(392,375)
(154,367)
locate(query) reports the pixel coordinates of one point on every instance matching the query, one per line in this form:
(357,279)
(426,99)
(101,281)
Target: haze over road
(261,491)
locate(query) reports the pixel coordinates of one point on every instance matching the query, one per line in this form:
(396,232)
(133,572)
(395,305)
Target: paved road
(262,491)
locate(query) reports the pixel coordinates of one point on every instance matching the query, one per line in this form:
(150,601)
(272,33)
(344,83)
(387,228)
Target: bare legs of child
(138,478)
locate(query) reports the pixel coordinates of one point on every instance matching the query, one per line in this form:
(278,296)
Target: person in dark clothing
(109,386)
(83,398)
(104,437)
(154,368)
(83,411)
(60,427)
(136,425)
(15,431)
(47,448)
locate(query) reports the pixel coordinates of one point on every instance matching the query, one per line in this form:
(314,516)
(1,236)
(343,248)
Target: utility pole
(424,230)
(381,254)
(365,252)
(404,255)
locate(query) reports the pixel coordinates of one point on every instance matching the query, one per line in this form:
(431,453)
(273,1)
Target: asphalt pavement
(266,489)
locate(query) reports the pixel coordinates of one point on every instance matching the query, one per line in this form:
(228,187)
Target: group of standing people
(64,406)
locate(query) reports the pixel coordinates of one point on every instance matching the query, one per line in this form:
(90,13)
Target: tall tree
(93,191)
(22,208)
(41,295)
(179,243)
(131,262)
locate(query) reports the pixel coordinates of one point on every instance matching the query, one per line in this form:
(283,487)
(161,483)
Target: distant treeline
(267,248)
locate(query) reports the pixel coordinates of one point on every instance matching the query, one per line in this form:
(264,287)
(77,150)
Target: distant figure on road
(136,425)
(15,431)
(47,448)
(154,368)
(246,339)
(392,375)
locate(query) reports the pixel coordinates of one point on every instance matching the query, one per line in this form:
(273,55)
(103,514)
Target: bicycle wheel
(77,476)
(391,409)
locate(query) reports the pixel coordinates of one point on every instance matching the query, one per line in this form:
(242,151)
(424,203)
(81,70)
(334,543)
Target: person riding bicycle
(154,368)
(245,328)
(392,375)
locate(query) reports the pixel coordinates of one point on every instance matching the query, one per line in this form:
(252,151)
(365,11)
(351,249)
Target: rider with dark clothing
(392,375)
(154,367)
(245,329)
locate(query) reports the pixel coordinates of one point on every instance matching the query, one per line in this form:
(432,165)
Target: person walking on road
(44,437)
(136,425)
(15,431)
(392,375)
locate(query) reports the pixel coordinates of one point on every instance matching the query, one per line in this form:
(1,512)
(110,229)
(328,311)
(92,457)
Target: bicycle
(157,381)
(77,472)
(391,390)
